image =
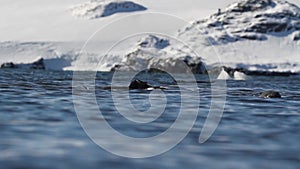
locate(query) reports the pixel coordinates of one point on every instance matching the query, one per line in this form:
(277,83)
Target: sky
(51,20)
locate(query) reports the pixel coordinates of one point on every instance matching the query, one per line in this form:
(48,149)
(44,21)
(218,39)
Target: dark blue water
(39,127)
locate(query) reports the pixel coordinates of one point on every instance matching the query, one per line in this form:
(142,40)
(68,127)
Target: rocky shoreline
(196,68)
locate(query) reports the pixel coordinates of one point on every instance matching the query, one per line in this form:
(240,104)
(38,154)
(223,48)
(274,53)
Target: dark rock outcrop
(122,6)
(231,71)
(252,5)
(196,65)
(9,65)
(270,94)
(38,64)
(97,8)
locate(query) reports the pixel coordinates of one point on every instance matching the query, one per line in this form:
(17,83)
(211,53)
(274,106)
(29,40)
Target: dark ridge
(252,5)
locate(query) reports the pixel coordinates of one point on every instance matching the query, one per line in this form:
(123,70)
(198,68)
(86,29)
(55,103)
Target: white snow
(248,20)
(35,29)
(276,54)
(243,40)
(56,56)
(51,20)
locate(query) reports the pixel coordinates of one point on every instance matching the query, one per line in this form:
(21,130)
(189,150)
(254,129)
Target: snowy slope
(253,34)
(257,35)
(250,20)
(56,56)
(98,8)
(153,51)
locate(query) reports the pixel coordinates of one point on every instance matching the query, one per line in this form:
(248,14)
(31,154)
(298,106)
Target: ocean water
(39,127)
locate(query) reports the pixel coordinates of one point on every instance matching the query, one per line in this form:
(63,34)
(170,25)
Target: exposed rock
(231,71)
(159,53)
(97,8)
(115,68)
(196,65)
(8,65)
(152,41)
(267,27)
(296,36)
(251,5)
(268,73)
(270,94)
(38,64)
(253,36)
(247,20)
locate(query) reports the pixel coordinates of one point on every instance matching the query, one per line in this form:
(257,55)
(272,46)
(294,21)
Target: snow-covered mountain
(249,20)
(154,51)
(99,8)
(164,54)
(257,35)
(254,35)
